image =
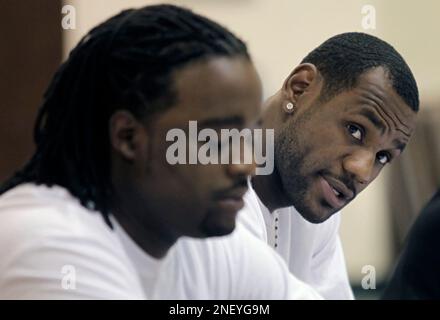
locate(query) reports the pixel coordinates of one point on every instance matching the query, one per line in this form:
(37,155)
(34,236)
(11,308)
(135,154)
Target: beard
(288,162)
(215,224)
(295,172)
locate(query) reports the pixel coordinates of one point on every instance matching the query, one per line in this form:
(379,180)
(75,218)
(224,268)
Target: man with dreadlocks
(96,211)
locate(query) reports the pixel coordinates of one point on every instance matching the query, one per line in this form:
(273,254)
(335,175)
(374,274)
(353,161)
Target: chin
(310,207)
(315,219)
(315,215)
(217,228)
(218,231)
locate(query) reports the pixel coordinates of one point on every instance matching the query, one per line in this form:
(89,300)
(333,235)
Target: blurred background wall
(279,34)
(30,43)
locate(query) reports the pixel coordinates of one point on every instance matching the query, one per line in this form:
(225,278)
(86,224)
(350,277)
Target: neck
(269,187)
(151,237)
(269,190)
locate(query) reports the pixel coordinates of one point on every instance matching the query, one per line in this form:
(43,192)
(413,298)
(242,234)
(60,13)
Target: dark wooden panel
(30,52)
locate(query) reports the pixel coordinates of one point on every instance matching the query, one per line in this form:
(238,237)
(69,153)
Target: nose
(242,163)
(241,169)
(360,164)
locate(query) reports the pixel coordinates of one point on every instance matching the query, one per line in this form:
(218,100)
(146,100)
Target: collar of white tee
(134,251)
(62,194)
(263,206)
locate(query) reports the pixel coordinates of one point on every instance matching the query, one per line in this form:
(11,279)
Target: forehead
(375,98)
(218,87)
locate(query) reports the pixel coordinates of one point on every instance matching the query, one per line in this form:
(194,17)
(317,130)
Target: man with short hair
(342,115)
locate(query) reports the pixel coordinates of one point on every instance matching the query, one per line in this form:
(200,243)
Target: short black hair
(344,57)
(126,62)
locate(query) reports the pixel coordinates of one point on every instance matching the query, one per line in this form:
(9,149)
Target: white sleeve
(44,258)
(329,268)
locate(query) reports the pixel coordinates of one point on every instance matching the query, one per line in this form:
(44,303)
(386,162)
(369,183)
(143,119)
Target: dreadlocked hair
(124,63)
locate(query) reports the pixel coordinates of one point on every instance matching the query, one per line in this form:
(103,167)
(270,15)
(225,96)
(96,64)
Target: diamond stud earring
(290,107)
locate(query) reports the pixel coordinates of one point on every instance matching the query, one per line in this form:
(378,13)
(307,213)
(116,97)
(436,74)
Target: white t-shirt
(51,247)
(48,242)
(313,252)
(237,266)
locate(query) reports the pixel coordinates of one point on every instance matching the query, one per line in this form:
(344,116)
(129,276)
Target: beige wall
(279,33)
(414,28)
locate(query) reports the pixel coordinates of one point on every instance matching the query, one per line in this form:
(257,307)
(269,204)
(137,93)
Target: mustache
(347,180)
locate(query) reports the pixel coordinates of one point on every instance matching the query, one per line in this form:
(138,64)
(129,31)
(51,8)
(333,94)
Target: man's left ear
(127,135)
(299,82)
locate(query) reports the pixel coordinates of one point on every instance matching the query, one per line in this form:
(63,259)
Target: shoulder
(427,224)
(424,237)
(44,233)
(38,213)
(416,274)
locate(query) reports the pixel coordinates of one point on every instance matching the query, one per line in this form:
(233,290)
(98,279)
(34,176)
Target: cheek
(325,143)
(323,134)
(209,177)
(319,156)
(198,182)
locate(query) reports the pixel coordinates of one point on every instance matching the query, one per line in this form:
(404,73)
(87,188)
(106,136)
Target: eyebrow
(221,122)
(378,123)
(374,119)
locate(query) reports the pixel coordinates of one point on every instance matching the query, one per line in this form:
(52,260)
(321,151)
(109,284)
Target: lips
(335,192)
(230,205)
(231,201)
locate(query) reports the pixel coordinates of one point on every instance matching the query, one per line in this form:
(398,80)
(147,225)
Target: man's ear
(127,135)
(299,81)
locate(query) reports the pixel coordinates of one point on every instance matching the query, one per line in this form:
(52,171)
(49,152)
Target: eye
(355,131)
(383,158)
